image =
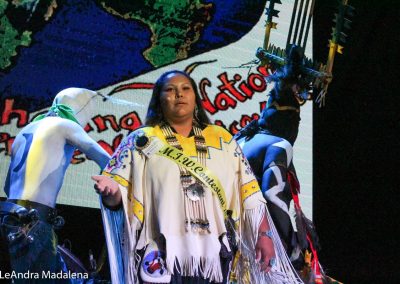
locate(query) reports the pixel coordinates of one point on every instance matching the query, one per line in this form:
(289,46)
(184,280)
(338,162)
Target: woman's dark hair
(155,115)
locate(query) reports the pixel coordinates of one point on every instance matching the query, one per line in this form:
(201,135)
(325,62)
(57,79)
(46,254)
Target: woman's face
(177,98)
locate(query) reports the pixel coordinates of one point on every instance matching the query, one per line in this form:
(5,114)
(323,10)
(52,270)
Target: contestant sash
(202,173)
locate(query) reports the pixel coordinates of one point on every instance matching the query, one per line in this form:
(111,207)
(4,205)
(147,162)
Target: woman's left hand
(265,251)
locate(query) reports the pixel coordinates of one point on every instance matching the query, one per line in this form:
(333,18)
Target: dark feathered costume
(263,145)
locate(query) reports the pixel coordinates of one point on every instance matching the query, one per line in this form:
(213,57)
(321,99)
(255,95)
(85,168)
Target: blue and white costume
(41,154)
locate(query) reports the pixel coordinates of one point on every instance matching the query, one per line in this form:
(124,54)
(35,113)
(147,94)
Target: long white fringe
(247,270)
(207,268)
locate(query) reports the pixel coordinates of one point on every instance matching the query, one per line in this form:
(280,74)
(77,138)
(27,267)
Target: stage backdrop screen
(120,49)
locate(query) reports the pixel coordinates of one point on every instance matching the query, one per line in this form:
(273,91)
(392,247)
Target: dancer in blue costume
(268,143)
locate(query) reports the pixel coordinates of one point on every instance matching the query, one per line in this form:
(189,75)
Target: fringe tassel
(246,269)
(132,266)
(193,266)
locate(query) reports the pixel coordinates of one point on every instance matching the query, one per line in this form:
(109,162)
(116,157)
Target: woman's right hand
(108,189)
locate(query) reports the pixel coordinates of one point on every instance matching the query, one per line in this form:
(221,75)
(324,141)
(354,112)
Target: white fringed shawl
(195,255)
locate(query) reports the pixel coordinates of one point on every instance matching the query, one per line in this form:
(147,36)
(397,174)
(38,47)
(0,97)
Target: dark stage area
(356,146)
(355,153)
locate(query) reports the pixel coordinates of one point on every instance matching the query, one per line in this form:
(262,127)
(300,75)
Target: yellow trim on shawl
(249,189)
(137,207)
(120,180)
(246,190)
(138,210)
(214,136)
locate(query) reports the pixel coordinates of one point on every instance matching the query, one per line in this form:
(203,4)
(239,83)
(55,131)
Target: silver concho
(195,191)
